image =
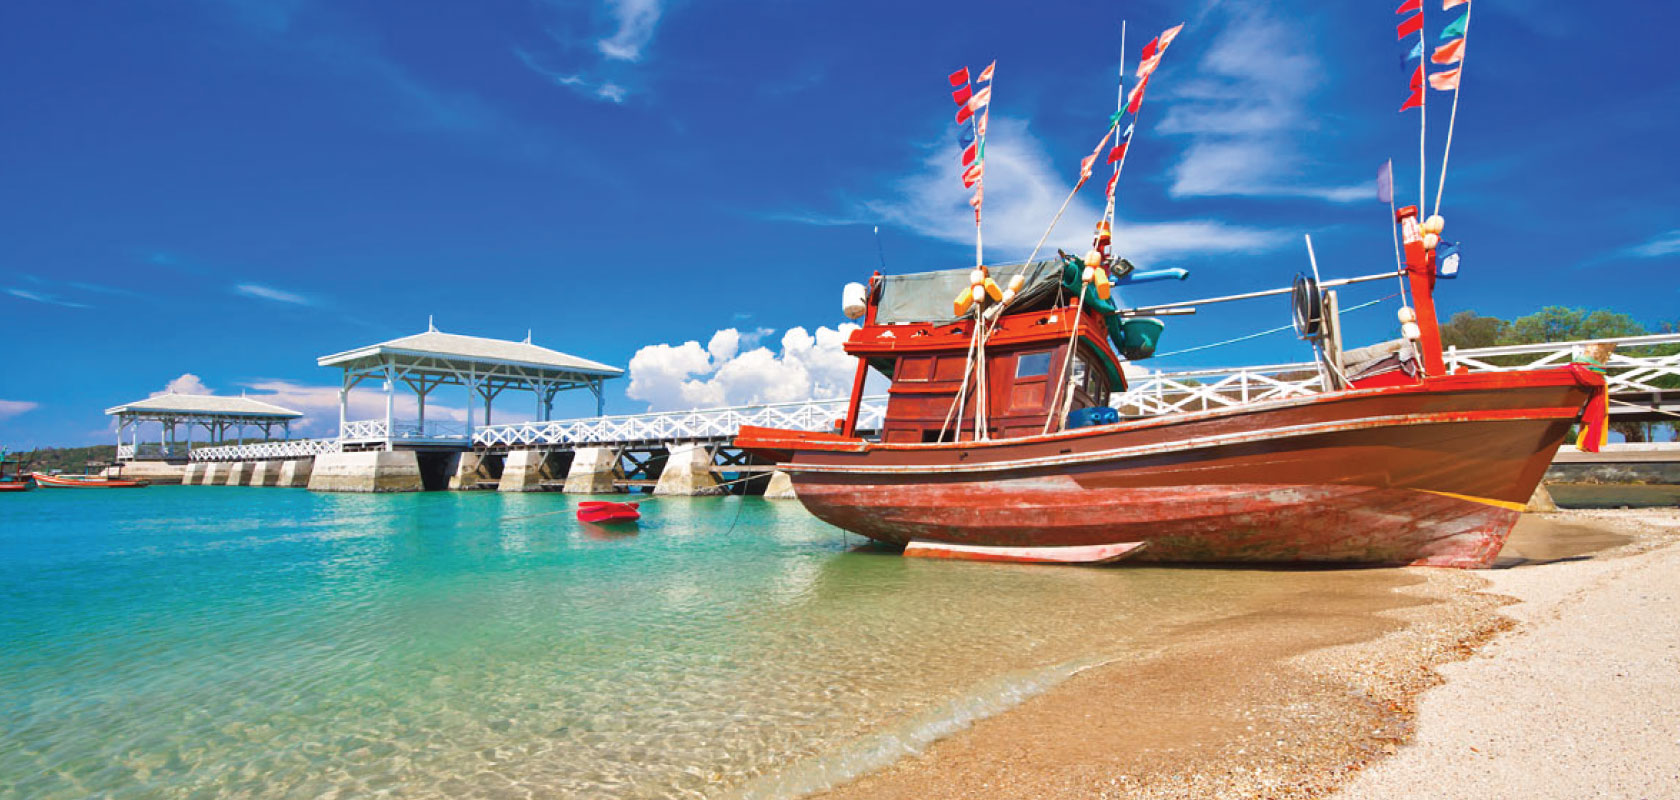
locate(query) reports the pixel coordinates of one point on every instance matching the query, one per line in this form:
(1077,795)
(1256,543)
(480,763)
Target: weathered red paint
(1429,473)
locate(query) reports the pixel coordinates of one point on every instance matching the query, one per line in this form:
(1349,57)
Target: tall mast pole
(1119,107)
(1441,186)
(1423,116)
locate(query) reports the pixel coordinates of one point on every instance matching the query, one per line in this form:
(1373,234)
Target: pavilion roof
(205,405)
(472,349)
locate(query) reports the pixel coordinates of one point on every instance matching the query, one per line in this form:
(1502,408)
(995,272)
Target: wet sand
(1292,700)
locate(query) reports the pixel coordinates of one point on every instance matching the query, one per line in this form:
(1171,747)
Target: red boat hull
(1433,474)
(603,511)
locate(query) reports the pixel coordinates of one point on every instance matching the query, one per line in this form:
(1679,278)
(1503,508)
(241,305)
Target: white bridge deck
(1633,379)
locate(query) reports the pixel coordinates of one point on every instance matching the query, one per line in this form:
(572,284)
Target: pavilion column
(390,405)
(600,398)
(343,402)
(472,389)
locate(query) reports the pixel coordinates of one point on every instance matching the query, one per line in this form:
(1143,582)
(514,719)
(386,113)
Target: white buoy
(1411,331)
(1406,315)
(853,300)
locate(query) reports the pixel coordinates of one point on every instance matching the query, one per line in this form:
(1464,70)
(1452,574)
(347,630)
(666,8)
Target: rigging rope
(1278,329)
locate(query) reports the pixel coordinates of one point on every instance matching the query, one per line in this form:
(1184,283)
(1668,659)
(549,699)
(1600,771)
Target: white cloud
(603,90)
(1024,188)
(636,20)
(12,408)
(1663,244)
(1246,113)
(271,293)
(42,297)
(808,366)
(187,383)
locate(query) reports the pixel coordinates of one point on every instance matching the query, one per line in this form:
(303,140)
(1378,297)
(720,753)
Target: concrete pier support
(238,473)
(471,469)
(688,472)
(370,471)
(194,474)
(593,471)
(780,487)
(526,470)
(294,473)
(1541,501)
(265,473)
(215,474)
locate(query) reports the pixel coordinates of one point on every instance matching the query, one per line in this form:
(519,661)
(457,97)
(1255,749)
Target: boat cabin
(912,336)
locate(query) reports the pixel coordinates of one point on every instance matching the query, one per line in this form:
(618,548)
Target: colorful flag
(981,126)
(1446,81)
(965,137)
(986,74)
(1112,180)
(961,96)
(1085,165)
(1147,67)
(980,99)
(1457,28)
(1117,152)
(1385,181)
(1136,98)
(1168,35)
(970,153)
(1417,52)
(1450,53)
(959,77)
(1149,49)
(1127,133)
(1412,25)
(1409,6)
(1415,101)
(978,198)
(973,174)
(1446,4)
(1417,78)
(964,113)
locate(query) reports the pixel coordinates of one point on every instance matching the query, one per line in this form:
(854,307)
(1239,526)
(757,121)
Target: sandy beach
(1554,675)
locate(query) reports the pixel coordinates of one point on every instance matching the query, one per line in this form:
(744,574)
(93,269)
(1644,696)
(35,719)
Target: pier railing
(152,451)
(672,426)
(404,430)
(266,451)
(1205,389)
(1637,365)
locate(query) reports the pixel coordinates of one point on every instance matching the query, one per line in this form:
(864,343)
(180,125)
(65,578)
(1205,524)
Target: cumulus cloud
(1245,112)
(12,408)
(187,383)
(1024,188)
(808,366)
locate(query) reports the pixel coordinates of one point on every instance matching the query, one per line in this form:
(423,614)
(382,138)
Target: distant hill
(68,459)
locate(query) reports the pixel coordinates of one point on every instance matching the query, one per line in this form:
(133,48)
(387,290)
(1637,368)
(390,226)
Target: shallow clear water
(225,641)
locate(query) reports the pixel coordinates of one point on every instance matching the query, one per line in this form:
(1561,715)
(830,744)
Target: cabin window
(1032,365)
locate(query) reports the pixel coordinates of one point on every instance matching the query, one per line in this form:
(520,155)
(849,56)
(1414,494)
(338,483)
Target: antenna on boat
(879,250)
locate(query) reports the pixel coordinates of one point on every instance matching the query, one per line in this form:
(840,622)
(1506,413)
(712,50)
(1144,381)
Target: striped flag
(986,74)
(973,174)
(1136,98)
(980,126)
(1446,81)
(980,99)
(1446,4)
(1450,53)
(978,199)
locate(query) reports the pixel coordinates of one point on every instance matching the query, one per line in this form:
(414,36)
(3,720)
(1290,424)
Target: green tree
(1562,324)
(1468,329)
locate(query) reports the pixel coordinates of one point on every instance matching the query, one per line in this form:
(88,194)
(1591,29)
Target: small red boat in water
(600,511)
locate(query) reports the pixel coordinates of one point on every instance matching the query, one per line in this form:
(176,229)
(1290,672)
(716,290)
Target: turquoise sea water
(225,641)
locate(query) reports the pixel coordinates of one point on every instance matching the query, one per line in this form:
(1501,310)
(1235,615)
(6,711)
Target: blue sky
(230,189)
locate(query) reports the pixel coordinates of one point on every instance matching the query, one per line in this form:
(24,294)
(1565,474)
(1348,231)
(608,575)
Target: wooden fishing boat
(13,477)
(607,511)
(15,485)
(1400,464)
(47,481)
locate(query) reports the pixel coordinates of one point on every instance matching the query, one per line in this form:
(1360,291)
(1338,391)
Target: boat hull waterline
(86,482)
(1434,474)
